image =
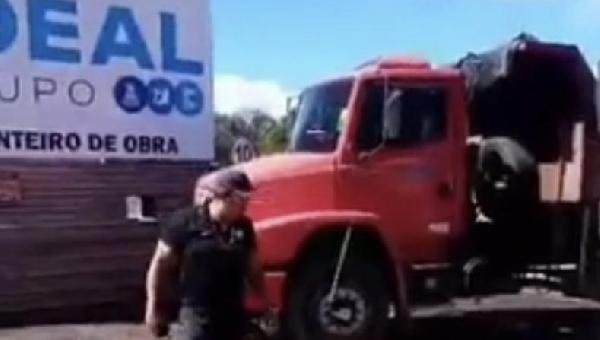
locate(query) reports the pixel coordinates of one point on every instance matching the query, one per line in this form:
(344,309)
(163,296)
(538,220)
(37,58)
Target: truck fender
(282,239)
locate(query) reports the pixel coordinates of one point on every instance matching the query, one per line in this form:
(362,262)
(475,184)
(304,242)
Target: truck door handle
(445,189)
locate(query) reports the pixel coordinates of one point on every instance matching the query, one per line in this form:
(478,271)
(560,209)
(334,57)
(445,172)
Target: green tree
(276,139)
(266,133)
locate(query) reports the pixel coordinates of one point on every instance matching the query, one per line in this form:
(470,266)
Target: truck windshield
(318,125)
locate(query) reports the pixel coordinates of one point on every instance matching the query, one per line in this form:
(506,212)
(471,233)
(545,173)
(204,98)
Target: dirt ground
(88,332)
(436,331)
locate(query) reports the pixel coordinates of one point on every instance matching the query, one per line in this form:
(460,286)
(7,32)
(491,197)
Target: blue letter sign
(171,62)
(8,24)
(119,21)
(41,29)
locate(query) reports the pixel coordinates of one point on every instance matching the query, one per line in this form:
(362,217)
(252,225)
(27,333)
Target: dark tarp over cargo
(528,90)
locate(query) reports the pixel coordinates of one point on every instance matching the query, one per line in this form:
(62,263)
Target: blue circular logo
(161,96)
(130,94)
(189,99)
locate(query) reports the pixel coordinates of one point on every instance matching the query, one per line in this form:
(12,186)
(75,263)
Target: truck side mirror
(291,108)
(392,116)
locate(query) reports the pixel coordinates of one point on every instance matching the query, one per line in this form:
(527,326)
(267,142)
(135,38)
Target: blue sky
(285,45)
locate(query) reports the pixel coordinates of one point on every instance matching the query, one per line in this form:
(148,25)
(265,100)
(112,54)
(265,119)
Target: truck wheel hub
(343,315)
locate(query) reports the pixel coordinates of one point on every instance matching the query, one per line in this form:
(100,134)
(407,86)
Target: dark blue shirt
(214,262)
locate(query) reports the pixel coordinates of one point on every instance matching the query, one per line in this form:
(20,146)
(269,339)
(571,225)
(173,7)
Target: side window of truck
(422,117)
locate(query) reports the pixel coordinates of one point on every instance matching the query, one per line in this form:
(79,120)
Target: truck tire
(506,185)
(358,312)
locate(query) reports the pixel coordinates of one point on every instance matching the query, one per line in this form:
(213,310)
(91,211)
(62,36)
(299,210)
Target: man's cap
(225,182)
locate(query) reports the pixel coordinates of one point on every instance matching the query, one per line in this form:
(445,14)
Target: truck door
(407,165)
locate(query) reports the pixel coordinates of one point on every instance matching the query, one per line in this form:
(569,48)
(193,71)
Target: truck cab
(381,152)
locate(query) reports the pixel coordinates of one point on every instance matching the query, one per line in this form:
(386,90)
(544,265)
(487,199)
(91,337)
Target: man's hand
(268,323)
(156,323)
(271,321)
(159,328)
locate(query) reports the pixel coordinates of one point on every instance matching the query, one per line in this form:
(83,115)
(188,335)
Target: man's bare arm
(162,274)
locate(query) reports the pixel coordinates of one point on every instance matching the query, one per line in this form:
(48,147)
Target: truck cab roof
(405,65)
(396,65)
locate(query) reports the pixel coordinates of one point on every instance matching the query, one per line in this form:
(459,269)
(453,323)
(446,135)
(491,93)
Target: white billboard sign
(106,79)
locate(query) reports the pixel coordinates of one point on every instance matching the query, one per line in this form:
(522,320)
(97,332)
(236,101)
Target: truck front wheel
(357,310)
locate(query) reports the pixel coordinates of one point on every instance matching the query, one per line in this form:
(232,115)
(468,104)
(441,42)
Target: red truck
(407,184)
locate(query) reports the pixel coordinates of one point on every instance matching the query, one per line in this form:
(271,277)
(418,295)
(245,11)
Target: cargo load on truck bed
(526,89)
(541,95)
